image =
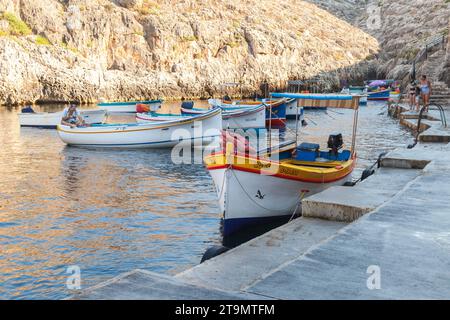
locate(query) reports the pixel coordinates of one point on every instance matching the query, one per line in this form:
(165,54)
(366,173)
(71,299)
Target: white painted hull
(163,134)
(52,119)
(127,107)
(246,197)
(254,118)
(292,112)
(248,118)
(363,99)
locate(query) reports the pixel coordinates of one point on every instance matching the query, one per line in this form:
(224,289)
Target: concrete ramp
(350,203)
(146,285)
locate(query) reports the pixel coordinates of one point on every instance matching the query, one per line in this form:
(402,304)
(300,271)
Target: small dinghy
(128,107)
(49,120)
(199,130)
(382,95)
(275,109)
(253,117)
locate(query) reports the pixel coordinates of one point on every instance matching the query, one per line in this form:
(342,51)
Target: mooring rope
(251,198)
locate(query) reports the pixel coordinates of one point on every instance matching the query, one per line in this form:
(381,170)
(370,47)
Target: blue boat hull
(381,95)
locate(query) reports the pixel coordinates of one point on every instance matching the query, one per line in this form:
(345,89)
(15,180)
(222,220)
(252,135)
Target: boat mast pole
(296,121)
(355,124)
(270,125)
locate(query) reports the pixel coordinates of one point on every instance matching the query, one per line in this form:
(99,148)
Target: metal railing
(432,42)
(419,121)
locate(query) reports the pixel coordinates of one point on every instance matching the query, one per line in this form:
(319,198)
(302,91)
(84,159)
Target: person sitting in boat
(226,98)
(72,117)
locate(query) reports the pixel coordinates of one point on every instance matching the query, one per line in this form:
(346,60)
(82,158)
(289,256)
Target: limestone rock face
(135,49)
(403,27)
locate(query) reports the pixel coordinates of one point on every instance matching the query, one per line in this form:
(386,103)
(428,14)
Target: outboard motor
(187,104)
(28,109)
(335,143)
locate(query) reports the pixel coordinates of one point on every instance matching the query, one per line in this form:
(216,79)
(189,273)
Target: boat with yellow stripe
(199,130)
(258,187)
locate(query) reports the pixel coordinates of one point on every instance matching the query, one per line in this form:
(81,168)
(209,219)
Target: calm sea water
(111,211)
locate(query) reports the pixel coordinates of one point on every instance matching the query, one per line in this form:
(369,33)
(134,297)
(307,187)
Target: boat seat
(308,146)
(307,151)
(343,155)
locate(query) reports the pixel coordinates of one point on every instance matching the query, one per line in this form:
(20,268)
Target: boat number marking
(259,195)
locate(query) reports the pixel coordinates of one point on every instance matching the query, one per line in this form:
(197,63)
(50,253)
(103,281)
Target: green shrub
(42,41)
(16,26)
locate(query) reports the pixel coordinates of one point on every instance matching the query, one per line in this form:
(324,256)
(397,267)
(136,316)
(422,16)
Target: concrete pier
(394,226)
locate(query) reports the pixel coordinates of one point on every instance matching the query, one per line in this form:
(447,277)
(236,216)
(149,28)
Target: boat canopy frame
(340,101)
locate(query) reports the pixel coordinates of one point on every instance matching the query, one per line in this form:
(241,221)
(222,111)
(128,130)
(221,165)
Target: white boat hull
(52,119)
(294,112)
(247,198)
(254,118)
(127,107)
(199,130)
(247,118)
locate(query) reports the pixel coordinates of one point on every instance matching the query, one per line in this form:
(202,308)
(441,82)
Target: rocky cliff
(131,49)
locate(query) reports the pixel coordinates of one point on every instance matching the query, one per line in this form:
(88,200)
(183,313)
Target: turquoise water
(111,211)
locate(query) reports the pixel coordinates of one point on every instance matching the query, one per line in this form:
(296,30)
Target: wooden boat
(159,134)
(382,95)
(275,109)
(235,118)
(49,120)
(255,189)
(128,107)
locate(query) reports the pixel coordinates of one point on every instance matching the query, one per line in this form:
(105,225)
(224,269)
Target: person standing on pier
(425,90)
(412,95)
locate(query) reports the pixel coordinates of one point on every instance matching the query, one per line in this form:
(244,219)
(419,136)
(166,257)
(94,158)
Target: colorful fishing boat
(275,109)
(257,188)
(199,130)
(128,107)
(49,120)
(382,95)
(253,117)
(395,96)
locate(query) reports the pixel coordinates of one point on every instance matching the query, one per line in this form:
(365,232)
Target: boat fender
(367,173)
(214,251)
